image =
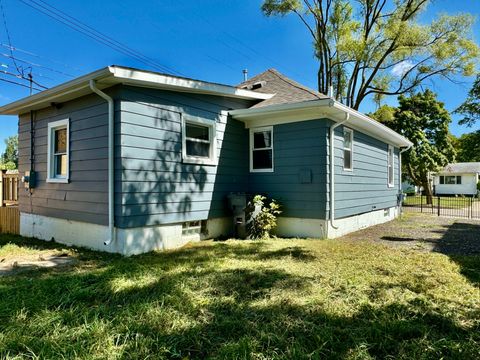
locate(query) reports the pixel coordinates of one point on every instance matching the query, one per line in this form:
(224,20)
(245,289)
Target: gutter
(332,168)
(111,109)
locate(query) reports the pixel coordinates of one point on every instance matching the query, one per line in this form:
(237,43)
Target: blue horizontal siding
(297,147)
(154,185)
(366,187)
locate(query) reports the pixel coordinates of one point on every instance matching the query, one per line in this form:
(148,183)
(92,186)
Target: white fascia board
(151,79)
(317,109)
(50,95)
(372,126)
(113,75)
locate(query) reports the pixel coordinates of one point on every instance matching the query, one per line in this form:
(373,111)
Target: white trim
(113,75)
(317,109)
(347,130)
(361,221)
(391,150)
(251,141)
(53,126)
(130,241)
(212,133)
(149,78)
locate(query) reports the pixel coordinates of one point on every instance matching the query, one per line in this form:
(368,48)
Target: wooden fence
(9,188)
(9,220)
(9,212)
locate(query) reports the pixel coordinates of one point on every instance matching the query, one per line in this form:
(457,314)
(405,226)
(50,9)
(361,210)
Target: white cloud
(401,68)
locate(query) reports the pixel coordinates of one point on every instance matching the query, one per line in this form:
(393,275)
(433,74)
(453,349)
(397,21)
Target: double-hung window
(390,168)
(199,142)
(347,149)
(58,151)
(450,180)
(261,149)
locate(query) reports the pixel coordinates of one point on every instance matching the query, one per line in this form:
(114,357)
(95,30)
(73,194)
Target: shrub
(261,218)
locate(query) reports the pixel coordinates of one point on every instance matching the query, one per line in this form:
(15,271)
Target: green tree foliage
(423,120)
(468,147)
(378,47)
(470,109)
(11,152)
(384,114)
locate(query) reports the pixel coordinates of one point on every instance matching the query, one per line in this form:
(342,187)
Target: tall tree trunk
(428,191)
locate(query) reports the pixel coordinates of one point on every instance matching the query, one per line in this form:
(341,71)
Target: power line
(89,31)
(23,78)
(8,36)
(37,65)
(19,84)
(29,53)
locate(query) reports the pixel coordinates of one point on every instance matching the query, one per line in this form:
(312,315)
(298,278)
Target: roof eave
(317,109)
(113,75)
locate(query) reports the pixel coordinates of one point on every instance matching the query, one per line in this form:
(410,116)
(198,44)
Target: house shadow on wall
(158,188)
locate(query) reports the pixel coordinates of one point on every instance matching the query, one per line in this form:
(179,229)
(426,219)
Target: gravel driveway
(426,233)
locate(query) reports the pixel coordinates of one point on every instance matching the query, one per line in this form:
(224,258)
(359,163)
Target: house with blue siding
(125,160)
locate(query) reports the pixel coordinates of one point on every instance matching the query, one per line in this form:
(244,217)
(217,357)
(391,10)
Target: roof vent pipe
(245,74)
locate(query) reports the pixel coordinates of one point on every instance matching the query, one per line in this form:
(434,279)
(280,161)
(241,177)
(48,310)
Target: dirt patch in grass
(11,265)
(425,232)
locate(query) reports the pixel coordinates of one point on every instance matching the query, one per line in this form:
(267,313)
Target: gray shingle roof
(286,90)
(465,167)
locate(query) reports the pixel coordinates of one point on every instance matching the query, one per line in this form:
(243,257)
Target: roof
(287,91)
(463,167)
(113,75)
(317,109)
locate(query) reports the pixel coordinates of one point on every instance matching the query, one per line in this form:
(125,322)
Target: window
(450,180)
(390,166)
(58,151)
(199,142)
(347,149)
(261,149)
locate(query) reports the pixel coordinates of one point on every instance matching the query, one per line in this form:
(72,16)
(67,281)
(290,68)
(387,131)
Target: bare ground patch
(424,232)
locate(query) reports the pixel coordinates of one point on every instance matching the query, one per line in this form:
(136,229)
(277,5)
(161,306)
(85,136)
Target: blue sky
(209,39)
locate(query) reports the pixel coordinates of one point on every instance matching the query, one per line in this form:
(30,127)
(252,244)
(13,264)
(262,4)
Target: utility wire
(37,65)
(29,53)
(8,36)
(23,78)
(19,84)
(89,31)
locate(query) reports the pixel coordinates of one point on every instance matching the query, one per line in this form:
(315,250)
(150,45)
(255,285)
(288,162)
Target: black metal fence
(459,206)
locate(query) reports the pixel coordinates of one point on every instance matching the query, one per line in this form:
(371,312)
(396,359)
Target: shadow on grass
(190,303)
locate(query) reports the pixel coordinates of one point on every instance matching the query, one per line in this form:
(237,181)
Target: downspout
(400,174)
(332,168)
(111,109)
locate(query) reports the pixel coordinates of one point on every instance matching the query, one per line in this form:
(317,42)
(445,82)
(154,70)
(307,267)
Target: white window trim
(345,129)
(392,150)
(260,129)
(454,176)
(212,132)
(52,126)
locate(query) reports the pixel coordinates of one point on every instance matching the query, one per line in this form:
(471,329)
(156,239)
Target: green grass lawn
(276,299)
(445,202)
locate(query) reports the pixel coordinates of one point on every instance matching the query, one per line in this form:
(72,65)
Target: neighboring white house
(457,179)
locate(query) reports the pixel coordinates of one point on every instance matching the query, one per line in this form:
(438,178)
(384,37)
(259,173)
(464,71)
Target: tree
(423,120)
(378,47)
(11,151)
(468,147)
(384,114)
(470,109)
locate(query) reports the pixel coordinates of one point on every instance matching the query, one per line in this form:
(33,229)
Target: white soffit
(114,75)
